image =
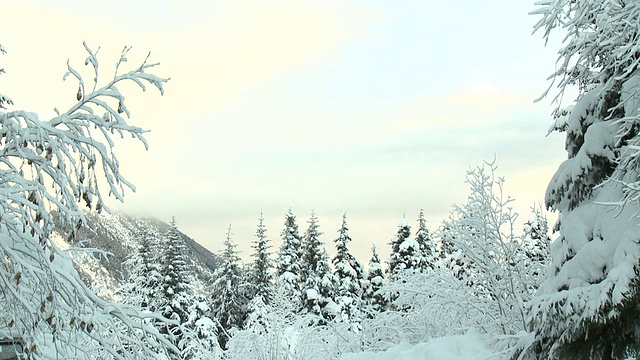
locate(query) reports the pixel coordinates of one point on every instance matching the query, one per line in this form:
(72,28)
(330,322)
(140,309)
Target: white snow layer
(470,346)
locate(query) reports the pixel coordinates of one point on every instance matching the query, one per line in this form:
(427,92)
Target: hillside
(116,236)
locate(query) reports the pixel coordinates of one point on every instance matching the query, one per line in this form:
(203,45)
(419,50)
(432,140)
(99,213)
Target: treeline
(473,271)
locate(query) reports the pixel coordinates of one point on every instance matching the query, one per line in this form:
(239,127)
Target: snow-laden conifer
(427,249)
(405,250)
(176,275)
(311,249)
(143,284)
(318,281)
(288,269)
(228,303)
(262,275)
(588,307)
(349,275)
(374,299)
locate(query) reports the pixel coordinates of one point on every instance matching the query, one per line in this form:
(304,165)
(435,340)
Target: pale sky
(374,108)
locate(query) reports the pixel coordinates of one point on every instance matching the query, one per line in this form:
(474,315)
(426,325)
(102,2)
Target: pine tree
(427,249)
(288,270)
(262,270)
(349,274)
(588,307)
(404,250)
(376,301)
(227,293)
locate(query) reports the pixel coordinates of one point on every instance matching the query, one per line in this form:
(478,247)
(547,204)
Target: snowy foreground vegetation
(474,288)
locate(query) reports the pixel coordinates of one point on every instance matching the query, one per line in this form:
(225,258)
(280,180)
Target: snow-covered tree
(349,274)
(262,276)
(267,334)
(482,231)
(142,287)
(451,257)
(374,299)
(405,251)
(535,249)
(175,275)
(311,249)
(47,167)
(427,248)
(200,340)
(588,306)
(228,290)
(288,269)
(318,289)
(175,287)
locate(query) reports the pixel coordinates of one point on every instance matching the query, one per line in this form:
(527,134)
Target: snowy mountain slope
(117,235)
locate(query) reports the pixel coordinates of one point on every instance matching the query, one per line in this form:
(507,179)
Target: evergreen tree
(349,274)
(375,300)
(288,270)
(588,306)
(143,284)
(535,250)
(227,293)
(311,249)
(404,250)
(262,270)
(314,269)
(427,249)
(536,241)
(175,299)
(451,257)
(319,289)
(175,274)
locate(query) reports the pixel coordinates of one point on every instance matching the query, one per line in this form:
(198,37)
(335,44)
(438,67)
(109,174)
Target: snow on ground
(470,346)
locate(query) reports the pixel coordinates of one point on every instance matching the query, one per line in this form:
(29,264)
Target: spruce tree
(375,300)
(314,268)
(227,293)
(262,270)
(175,274)
(427,249)
(404,250)
(534,246)
(288,269)
(311,249)
(175,282)
(143,284)
(349,274)
(588,306)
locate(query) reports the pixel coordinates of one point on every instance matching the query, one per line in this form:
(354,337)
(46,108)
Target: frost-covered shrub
(47,168)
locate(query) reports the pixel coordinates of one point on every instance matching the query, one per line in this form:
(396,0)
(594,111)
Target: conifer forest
(81,280)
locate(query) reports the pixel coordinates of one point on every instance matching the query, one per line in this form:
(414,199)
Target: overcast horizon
(372,108)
